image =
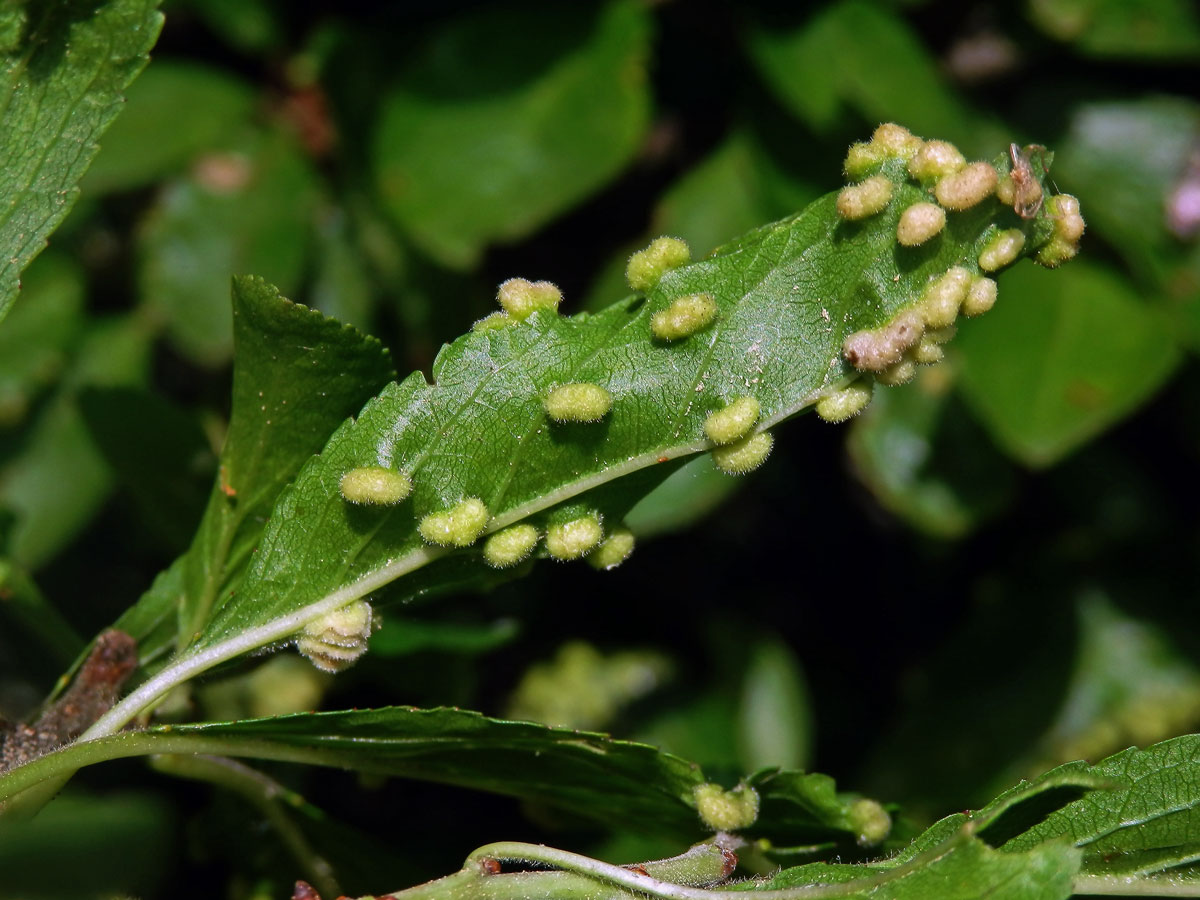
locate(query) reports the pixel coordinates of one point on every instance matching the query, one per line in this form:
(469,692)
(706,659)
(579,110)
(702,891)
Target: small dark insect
(1027,190)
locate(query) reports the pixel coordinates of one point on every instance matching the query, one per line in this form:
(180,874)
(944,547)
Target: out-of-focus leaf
(59,479)
(1130,686)
(774,721)
(117,844)
(960,726)
(63,70)
(583,688)
(863,55)
(296,375)
(238,211)
(1125,161)
(1119,28)
(173,113)
(158,453)
(36,339)
(926,461)
(248,25)
(1063,356)
(400,637)
(691,493)
(698,728)
(23,602)
(342,288)
(506,117)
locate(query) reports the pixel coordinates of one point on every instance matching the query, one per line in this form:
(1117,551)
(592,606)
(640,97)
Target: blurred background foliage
(991,571)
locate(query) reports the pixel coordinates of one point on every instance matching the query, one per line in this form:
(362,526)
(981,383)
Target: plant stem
(591,876)
(264,793)
(1134,886)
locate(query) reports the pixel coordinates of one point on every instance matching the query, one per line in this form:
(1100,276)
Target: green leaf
(1130,686)
(400,637)
(296,375)
(247,209)
(965,872)
(1061,358)
(507,117)
(927,462)
(1146,823)
(159,455)
(22,601)
(64,69)
(59,479)
(618,782)
(864,55)
(121,843)
(786,296)
(159,131)
(36,340)
(1126,161)
(1155,29)
(774,716)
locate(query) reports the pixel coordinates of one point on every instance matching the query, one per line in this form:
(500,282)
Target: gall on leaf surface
(787,294)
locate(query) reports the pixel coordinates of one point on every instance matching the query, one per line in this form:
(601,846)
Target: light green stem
(1134,886)
(592,879)
(264,793)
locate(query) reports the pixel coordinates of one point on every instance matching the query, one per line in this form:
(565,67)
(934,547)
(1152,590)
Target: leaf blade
(63,81)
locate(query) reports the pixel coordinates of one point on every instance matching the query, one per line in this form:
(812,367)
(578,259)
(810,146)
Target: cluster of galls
(914,336)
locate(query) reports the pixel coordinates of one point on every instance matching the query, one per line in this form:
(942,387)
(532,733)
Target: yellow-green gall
(521,298)
(494,322)
(1068,221)
(732,422)
(981,296)
(862,157)
(647,266)
(573,539)
(613,550)
(458,526)
(578,402)
(919,223)
(889,140)
(942,297)
(895,140)
(337,639)
(1068,229)
(934,160)
(901,373)
(375,485)
(745,455)
(1006,190)
(858,201)
(967,187)
(685,316)
(1002,249)
(928,350)
(510,546)
(723,810)
(870,821)
(839,406)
